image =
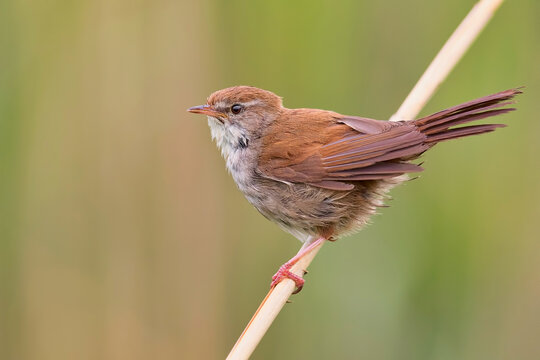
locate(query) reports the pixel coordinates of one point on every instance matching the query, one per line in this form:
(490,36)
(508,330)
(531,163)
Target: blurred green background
(123,237)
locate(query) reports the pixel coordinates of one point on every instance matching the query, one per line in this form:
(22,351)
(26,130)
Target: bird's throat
(229,138)
(236,149)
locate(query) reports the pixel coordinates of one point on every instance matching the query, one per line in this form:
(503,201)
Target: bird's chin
(215,120)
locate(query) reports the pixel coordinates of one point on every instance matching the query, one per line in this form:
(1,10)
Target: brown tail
(438,126)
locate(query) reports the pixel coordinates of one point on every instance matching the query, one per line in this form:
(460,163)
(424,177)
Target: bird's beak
(206,110)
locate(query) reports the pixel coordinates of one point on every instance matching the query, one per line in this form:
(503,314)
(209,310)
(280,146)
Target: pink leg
(284,271)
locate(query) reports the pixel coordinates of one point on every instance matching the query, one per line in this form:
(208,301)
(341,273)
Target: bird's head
(238,115)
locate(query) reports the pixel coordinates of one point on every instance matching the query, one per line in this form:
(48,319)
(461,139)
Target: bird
(318,174)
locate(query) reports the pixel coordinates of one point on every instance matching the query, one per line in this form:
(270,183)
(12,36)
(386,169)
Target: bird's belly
(297,209)
(305,211)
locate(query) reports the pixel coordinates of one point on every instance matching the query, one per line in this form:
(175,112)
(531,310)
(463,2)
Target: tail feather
(440,126)
(464,117)
(463,131)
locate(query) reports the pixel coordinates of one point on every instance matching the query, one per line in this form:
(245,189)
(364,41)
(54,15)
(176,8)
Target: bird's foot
(284,272)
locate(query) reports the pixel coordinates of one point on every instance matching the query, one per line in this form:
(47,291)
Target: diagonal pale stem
(450,54)
(452,51)
(270,308)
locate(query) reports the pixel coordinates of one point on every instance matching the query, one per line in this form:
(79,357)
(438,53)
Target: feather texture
(333,151)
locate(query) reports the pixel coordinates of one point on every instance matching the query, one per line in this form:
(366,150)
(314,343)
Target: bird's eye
(236,108)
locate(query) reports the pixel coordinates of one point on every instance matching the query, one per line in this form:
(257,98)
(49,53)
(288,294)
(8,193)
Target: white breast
(237,159)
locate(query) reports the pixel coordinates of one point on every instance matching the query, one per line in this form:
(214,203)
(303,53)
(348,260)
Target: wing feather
(329,150)
(354,149)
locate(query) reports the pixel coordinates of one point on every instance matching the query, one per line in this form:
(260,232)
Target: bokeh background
(123,237)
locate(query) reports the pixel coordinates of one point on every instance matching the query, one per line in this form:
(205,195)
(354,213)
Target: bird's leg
(284,271)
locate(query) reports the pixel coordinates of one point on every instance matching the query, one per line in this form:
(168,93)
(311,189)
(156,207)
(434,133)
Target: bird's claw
(284,272)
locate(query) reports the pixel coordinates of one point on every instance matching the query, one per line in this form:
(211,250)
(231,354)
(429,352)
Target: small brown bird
(319,174)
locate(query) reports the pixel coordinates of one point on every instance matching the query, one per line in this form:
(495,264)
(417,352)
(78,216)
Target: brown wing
(329,151)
